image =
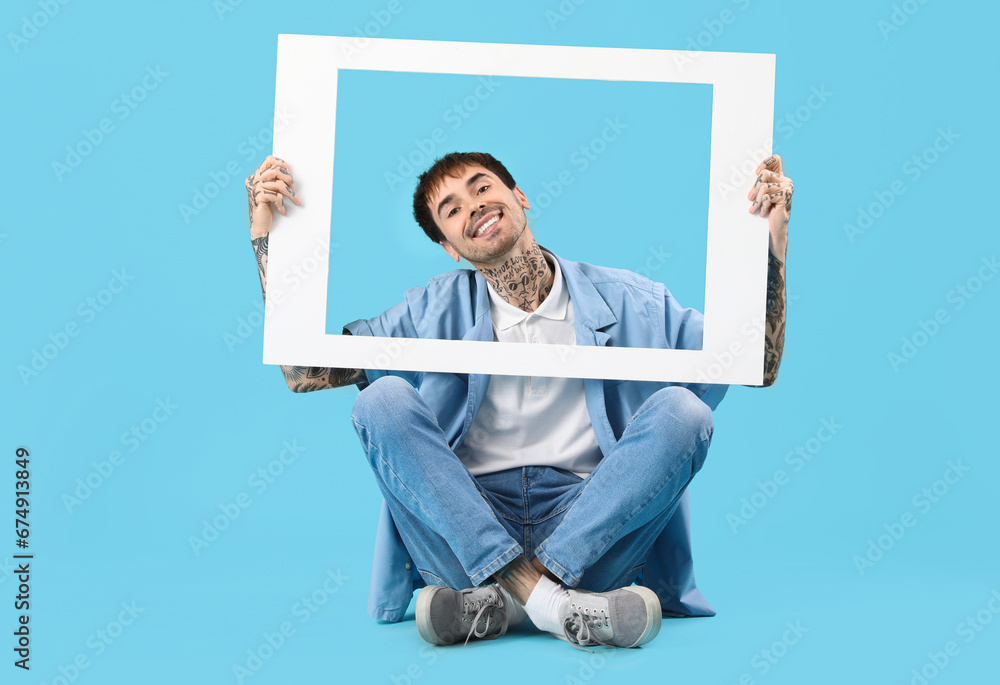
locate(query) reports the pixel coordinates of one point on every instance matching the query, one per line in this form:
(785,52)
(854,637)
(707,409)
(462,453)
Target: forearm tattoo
(309,378)
(774,330)
(260,250)
(251,200)
(304,378)
(520,277)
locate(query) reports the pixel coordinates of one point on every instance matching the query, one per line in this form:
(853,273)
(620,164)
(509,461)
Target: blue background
(537,128)
(168,335)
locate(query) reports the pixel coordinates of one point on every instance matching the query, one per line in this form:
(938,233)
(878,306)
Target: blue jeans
(594,533)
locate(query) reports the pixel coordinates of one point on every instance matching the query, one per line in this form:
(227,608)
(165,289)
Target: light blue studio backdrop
(844,524)
(566,143)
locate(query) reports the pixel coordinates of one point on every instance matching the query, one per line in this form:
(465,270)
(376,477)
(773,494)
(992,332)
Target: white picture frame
(736,268)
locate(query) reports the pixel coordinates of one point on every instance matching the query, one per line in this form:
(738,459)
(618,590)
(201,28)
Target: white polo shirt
(532,420)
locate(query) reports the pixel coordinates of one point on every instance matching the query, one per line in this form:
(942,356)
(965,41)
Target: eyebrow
(445,201)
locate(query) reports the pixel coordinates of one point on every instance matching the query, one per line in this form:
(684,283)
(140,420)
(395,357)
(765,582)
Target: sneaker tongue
(486,612)
(485,622)
(578,632)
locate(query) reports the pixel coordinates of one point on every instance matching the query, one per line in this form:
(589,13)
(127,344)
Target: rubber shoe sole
(652,602)
(423,611)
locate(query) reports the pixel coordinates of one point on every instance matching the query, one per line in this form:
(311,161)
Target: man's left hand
(772,195)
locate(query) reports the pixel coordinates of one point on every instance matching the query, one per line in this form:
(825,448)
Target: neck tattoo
(524,280)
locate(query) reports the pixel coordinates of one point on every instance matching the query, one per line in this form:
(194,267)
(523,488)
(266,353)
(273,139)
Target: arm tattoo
(260,249)
(774,329)
(309,378)
(251,200)
(304,378)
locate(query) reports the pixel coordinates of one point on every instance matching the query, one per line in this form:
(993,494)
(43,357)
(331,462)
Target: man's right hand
(269,185)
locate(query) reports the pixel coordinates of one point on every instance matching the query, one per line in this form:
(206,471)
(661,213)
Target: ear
(522,198)
(449,249)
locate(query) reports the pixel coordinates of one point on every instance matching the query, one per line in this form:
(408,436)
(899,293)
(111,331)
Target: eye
(483,188)
(453,210)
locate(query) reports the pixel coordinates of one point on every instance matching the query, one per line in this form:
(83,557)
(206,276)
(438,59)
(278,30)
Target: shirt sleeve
(684,331)
(363,383)
(398,321)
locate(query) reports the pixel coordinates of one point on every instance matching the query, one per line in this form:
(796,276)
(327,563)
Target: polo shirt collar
(590,311)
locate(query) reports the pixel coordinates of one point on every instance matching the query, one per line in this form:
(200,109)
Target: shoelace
(578,628)
(486,611)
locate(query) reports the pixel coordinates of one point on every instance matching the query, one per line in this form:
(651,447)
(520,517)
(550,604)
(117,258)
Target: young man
(508,496)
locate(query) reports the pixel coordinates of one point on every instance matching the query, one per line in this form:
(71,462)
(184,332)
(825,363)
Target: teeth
(486,226)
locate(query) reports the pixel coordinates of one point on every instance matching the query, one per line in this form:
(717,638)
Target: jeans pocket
(430,578)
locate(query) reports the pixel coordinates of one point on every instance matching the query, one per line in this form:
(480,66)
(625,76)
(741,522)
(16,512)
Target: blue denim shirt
(612,307)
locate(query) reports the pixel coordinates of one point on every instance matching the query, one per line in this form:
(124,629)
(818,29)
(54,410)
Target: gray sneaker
(627,617)
(445,616)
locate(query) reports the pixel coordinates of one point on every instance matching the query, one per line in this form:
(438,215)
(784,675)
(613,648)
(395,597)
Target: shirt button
(534,341)
(409,566)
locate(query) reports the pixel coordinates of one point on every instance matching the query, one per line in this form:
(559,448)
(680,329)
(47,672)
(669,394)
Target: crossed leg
(456,536)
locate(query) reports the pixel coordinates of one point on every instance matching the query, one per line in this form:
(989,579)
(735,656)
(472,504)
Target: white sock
(543,605)
(515,610)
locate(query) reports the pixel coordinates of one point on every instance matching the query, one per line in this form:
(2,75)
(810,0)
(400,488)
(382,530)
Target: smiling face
(481,218)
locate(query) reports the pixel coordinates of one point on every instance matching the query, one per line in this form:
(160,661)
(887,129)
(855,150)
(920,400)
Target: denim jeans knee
(387,396)
(686,407)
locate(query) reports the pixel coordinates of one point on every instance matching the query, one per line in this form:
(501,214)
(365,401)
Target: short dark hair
(452,164)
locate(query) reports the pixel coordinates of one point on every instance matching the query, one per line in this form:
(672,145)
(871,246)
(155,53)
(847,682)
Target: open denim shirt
(612,307)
